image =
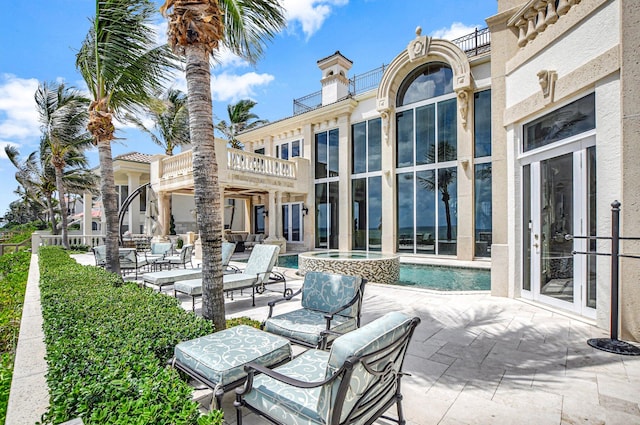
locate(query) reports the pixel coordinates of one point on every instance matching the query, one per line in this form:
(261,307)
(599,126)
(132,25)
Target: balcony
(238,170)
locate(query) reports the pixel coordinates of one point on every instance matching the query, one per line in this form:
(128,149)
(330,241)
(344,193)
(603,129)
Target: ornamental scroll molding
(423,49)
(547,80)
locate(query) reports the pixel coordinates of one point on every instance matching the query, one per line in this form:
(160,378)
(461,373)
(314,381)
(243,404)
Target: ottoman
(217,360)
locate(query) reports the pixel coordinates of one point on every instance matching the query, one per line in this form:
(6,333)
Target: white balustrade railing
(537,15)
(56,240)
(177,165)
(238,160)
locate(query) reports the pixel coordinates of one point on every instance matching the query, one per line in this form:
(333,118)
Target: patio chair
(331,305)
(130,260)
(100,254)
(158,251)
(182,258)
(355,383)
(255,275)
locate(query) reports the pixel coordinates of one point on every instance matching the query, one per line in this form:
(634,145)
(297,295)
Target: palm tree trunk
(447,212)
(205,176)
(52,215)
(63,208)
(110,205)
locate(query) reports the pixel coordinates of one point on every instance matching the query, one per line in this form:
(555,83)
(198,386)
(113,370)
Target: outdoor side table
(217,360)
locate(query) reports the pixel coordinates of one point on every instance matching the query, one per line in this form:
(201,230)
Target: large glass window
(426,154)
(366,185)
(482,207)
(482,124)
(574,118)
(327,154)
(428,81)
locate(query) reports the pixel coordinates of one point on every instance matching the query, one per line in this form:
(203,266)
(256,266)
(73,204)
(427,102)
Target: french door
(292,221)
(558,203)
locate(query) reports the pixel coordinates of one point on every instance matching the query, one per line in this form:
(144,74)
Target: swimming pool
(441,278)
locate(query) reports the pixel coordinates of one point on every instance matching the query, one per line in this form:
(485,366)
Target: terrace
(474,359)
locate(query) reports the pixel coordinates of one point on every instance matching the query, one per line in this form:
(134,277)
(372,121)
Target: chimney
(335,83)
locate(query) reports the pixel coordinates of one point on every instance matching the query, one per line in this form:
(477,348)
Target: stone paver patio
(477,359)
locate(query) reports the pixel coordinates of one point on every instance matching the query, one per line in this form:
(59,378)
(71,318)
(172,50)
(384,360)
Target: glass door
(292,222)
(559,202)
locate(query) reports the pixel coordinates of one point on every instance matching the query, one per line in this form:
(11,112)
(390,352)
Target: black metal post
(615,264)
(613,344)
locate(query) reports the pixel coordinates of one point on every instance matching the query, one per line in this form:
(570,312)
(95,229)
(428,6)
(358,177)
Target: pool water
(441,278)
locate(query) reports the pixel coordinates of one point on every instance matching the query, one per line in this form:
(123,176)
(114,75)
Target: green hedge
(107,347)
(14,271)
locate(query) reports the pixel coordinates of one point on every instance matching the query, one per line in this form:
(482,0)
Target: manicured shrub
(108,343)
(14,271)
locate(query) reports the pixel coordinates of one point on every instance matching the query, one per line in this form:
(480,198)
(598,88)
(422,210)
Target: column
(134,208)
(87,228)
(345,216)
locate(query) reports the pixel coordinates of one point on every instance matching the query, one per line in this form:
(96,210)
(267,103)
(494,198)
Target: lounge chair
(228,248)
(169,277)
(331,305)
(255,275)
(355,383)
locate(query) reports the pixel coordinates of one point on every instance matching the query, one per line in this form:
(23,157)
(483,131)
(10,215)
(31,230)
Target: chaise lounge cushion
(167,277)
(239,344)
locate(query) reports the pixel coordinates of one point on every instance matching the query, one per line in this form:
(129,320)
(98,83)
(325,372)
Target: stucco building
(496,147)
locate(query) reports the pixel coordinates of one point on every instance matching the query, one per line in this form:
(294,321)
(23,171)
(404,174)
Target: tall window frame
(327,175)
(426,166)
(482,190)
(366,185)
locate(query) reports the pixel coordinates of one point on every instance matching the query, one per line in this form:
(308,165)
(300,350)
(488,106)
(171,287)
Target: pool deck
(474,359)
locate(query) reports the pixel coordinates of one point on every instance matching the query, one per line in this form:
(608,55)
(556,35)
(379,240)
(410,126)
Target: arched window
(425,82)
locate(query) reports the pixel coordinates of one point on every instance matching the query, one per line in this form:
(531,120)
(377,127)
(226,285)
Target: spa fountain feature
(373,266)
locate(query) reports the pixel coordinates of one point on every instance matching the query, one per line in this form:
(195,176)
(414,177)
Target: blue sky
(40,38)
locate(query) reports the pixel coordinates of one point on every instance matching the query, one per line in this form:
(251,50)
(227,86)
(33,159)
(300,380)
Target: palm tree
(122,67)
(445,176)
(196,30)
(37,179)
(171,121)
(63,117)
(240,119)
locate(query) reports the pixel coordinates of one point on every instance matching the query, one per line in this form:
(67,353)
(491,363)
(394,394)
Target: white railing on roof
(238,160)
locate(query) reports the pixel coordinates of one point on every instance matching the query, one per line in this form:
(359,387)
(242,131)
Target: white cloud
(18,115)
(456,30)
(227,87)
(309,14)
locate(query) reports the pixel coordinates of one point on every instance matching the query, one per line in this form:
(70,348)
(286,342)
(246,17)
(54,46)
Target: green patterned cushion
(170,276)
(362,341)
(221,356)
(326,292)
(261,260)
(306,325)
(288,404)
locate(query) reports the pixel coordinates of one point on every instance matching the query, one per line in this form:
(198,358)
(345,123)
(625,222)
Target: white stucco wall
(592,38)
(482,75)
(609,183)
